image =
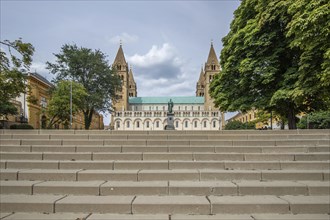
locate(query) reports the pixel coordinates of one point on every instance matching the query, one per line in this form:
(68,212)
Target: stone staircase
(170,175)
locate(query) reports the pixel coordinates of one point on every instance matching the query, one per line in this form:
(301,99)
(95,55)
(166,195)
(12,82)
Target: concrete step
(163,135)
(199,205)
(270,204)
(209,149)
(160,175)
(166,142)
(197,188)
(164,164)
(198,156)
(252,217)
(98,216)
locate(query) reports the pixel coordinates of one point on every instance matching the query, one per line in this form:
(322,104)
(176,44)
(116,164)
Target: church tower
(121,67)
(200,84)
(211,68)
(132,92)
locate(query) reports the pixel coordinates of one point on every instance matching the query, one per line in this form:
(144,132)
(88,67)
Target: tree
(316,120)
(12,73)
(261,62)
(90,69)
(58,108)
(237,125)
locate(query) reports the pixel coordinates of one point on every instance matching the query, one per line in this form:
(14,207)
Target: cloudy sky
(166,42)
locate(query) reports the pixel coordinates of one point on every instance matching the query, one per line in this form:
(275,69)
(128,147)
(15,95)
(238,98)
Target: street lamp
(71,105)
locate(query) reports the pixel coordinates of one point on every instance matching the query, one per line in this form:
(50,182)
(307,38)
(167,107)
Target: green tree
(58,108)
(237,125)
(316,120)
(13,66)
(90,69)
(261,65)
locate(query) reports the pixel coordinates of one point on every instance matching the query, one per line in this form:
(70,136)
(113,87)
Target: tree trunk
(292,119)
(88,116)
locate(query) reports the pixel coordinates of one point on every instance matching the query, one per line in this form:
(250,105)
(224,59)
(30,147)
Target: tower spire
(120,57)
(212,58)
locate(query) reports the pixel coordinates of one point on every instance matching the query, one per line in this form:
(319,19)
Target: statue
(170,106)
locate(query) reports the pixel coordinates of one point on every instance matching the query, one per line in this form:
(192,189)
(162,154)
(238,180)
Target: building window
(199,108)
(118,124)
(157,124)
(179,108)
(185,108)
(204,124)
(214,124)
(156,108)
(138,124)
(43,102)
(176,124)
(195,124)
(192,108)
(163,108)
(147,124)
(186,124)
(127,124)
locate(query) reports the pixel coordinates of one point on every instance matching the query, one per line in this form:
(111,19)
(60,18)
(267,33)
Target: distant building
(252,116)
(33,105)
(150,113)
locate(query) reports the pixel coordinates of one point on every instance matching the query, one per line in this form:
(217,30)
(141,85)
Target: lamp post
(71,105)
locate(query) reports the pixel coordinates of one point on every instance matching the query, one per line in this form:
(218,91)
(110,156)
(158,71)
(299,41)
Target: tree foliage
(316,120)
(270,63)
(58,108)
(237,125)
(13,66)
(92,71)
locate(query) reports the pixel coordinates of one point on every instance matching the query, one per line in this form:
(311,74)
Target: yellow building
(252,116)
(33,106)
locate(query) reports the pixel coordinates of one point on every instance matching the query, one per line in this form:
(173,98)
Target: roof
(41,78)
(212,56)
(166,99)
(120,58)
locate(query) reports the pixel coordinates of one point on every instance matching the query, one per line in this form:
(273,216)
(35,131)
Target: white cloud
(163,72)
(155,56)
(40,68)
(124,37)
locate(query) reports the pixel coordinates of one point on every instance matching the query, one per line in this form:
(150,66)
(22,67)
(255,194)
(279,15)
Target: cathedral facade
(150,113)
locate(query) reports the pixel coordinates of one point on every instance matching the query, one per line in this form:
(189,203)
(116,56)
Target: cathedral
(150,113)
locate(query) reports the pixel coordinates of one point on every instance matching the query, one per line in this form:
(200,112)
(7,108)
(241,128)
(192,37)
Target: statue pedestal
(170,121)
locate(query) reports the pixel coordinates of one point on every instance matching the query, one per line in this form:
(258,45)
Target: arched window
(118,124)
(157,124)
(204,124)
(128,124)
(214,124)
(138,124)
(176,124)
(147,124)
(186,124)
(195,124)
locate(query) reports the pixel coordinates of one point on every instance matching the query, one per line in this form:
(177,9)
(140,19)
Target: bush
(316,120)
(21,126)
(237,125)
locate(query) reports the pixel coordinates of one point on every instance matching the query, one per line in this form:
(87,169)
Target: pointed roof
(201,76)
(120,58)
(212,56)
(130,75)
